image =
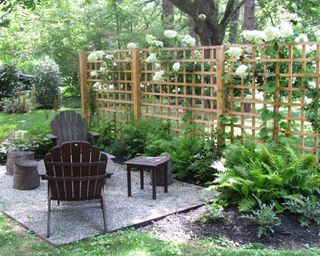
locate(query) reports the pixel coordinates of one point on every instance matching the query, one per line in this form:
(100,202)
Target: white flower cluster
(158,76)
(188,41)
(95,56)
(317,34)
(98,85)
(170,33)
(94,74)
(152,58)
(284,30)
(308,48)
(153,41)
(132,45)
(234,52)
(242,71)
(176,66)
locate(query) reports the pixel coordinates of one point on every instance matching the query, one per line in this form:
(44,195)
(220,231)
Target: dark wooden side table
(148,163)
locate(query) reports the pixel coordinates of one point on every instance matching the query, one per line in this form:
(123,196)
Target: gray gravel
(72,221)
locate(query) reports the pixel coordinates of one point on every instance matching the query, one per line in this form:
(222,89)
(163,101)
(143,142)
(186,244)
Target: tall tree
(249,16)
(208,25)
(234,24)
(167,16)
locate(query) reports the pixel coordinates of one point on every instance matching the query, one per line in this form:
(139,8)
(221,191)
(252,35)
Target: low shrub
(33,140)
(9,80)
(265,217)
(132,138)
(307,208)
(272,172)
(18,104)
(47,80)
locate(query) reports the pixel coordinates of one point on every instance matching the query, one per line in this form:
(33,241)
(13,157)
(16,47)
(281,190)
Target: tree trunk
(208,25)
(249,16)
(167,17)
(234,25)
(191,29)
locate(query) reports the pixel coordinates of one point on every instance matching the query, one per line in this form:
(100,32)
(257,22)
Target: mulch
(237,230)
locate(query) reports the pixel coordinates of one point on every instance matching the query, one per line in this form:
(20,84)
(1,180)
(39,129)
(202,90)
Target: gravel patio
(75,221)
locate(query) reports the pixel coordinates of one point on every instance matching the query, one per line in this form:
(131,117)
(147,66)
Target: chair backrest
(69,126)
(75,171)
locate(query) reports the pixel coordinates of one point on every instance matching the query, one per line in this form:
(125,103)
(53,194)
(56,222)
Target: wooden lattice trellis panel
(187,99)
(271,103)
(206,87)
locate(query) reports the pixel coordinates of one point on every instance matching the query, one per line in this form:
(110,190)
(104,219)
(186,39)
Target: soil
(237,231)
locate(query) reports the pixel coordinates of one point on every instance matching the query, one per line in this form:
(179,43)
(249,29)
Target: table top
(148,161)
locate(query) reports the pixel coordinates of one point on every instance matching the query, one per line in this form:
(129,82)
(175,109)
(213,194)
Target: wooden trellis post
(83,82)
(136,94)
(220,95)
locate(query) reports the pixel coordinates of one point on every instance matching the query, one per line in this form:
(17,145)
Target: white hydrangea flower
(271,33)
(157,43)
(286,29)
(235,52)
(92,57)
(176,66)
(109,57)
(99,54)
(197,54)
(187,40)
(170,33)
(202,17)
(248,35)
(304,38)
(103,68)
(111,86)
(242,71)
(152,58)
(132,45)
(157,66)
(97,85)
(301,38)
(93,73)
(158,76)
(317,34)
(150,39)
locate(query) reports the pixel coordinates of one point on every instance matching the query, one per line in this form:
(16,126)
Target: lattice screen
(270,103)
(186,98)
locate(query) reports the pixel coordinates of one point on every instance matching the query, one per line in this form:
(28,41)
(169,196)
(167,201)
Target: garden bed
(236,232)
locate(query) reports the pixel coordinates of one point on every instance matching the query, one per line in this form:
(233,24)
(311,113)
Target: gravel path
(74,221)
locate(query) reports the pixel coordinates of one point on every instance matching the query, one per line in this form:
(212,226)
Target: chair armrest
(95,136)
(53,138)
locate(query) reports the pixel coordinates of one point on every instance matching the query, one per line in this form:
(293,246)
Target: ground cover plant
(128,242)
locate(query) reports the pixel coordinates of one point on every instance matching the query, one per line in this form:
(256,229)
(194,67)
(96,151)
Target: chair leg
(49,214)
(104,212)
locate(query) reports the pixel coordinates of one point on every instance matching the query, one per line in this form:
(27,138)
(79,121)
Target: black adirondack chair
(75,171)
(70,126)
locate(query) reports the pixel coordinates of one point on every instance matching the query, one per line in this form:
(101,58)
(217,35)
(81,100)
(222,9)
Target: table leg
(166,177)
(141,179)
(154,192)
(129,180)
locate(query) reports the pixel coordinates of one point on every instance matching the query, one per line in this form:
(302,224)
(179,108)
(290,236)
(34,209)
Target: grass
(16,241)
(13,122)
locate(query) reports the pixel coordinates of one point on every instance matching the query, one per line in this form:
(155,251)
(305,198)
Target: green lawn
(16,241)
(13,122)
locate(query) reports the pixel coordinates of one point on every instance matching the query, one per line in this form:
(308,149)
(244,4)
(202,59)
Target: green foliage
(272,172)
(18,104)
(133,137)
(265,217)
(46,83)
(308,208)
(9,80)
(312,109)
(35,139)
(214,213)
